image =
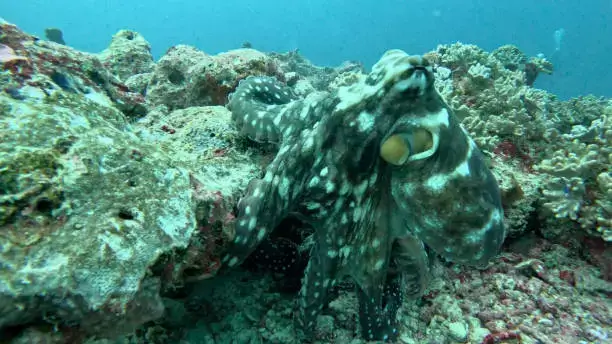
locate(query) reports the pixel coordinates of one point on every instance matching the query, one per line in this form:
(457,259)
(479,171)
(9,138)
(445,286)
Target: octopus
(383,172)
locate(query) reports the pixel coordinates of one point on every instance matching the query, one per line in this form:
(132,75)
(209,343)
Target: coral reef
(559,152)
(579,180)
(119,184)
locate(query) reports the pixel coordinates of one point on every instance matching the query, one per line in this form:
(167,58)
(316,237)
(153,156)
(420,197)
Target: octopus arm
(265,204)
(378,278)
(410,259)
(319,278)
(262,108)
(406,275)
(378,305)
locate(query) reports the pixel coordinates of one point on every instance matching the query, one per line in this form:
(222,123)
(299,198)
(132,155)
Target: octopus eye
(398,148)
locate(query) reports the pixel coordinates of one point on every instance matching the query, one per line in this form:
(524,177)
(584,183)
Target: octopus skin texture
(383,172)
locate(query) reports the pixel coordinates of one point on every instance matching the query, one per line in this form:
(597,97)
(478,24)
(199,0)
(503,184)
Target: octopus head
(446,194)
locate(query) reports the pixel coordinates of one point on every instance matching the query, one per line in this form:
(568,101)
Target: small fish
(55,35)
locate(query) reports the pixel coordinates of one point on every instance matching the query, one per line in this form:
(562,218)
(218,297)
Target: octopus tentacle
(409,259)
(379,278)
(317,283)
(259,108)
(266,110)
(266,203)
(377,309)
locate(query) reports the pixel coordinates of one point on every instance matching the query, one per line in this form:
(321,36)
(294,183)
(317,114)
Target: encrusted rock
(49,66)
(97,217)
(186,77)
(458,331)
(93,208)
(128,54)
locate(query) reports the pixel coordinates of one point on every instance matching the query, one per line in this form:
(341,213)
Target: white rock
(458,331)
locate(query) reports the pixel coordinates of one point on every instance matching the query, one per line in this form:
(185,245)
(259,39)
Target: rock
(98,215)
(325,325)
(139,82)
(49,67)
(458,331)
(129,54)
(186,77)
(93,208)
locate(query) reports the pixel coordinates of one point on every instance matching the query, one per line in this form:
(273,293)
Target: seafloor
(119,178)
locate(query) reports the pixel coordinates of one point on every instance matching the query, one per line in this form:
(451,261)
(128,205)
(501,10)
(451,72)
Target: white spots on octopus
(314,181)
(375,243)
(261,234)
(304,113)
(365,121)
(360,189)
(268,177)
(284,187)
(358,214)
(232,261)
(494,219)
(308,144)
(436,119)
(373,179)
(345,251)
(257,193)
(345,188)
(330,187)
(344,219)
(339,205)
(408,189)
(288,130)
(438,182)
(278,118)
(252,223)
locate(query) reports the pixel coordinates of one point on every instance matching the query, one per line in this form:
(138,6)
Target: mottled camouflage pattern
(371,218)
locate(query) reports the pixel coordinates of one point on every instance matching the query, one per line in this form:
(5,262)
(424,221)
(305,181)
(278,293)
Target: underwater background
(331,31)
(317,172)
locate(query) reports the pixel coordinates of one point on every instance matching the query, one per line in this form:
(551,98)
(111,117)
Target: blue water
(331,31)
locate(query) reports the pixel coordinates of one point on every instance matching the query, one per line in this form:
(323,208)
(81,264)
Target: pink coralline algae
(9,58)
(7,54)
